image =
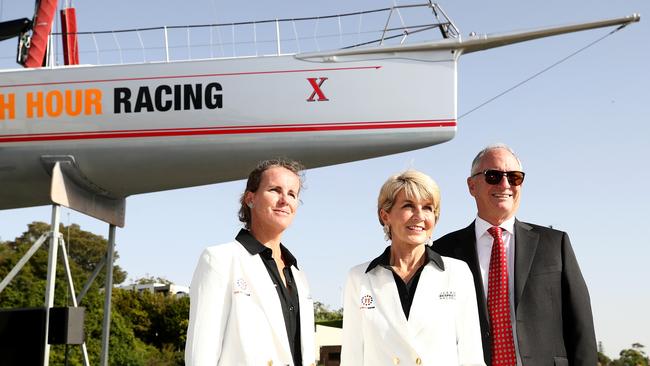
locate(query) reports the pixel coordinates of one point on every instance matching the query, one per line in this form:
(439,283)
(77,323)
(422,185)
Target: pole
(108,289)
(277,37)
(51,278)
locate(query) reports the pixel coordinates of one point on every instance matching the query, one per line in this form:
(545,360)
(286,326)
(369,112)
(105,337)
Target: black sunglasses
(493,177)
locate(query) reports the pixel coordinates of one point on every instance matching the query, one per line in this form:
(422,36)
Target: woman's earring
(250,205)
(386,232)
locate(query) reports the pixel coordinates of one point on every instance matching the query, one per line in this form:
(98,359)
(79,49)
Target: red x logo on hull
(316,83)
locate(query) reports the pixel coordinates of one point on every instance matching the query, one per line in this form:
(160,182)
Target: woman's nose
(419,213)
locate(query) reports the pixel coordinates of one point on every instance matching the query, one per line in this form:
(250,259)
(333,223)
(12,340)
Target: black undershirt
(288,295)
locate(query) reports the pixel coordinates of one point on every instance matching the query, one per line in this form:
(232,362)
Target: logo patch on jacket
(367,302)
(241,287)
(447,295)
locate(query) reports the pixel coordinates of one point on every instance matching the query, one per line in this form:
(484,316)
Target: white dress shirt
(484,250)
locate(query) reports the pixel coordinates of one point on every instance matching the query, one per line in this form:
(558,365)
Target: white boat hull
(149,127)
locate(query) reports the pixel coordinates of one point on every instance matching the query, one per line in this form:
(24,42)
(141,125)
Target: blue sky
(581,130)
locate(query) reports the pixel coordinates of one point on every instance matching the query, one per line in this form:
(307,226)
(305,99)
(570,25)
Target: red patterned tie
(503,347)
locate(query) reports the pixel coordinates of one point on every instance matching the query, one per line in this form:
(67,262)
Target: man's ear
(471,186)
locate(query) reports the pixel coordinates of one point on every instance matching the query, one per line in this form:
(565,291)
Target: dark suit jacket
(552,307)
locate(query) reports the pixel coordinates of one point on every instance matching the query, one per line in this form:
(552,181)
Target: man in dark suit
(546,314)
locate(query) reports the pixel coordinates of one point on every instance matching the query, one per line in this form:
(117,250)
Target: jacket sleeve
(468,328)
(578,324)
(352,343)
(210,299)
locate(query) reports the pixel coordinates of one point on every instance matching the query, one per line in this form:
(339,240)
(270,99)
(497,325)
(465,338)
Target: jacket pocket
(546,269)
(560,361)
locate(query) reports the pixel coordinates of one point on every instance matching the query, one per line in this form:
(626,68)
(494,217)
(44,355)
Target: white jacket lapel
(387,299)
(424,299)
(263,288)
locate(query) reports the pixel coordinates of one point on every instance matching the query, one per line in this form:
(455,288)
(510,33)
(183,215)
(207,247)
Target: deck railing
(394,25)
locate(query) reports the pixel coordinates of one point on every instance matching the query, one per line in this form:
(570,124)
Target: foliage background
(146,328)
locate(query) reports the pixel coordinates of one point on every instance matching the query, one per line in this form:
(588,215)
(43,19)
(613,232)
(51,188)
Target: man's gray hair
(477,160)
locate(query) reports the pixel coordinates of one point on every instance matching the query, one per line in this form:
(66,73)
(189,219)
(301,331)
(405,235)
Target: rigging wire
(540,72)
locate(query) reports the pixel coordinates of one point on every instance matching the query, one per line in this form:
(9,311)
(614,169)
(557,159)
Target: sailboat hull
(141,128)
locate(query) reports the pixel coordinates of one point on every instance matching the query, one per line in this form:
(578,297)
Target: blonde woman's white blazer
(235,313)
(442,328)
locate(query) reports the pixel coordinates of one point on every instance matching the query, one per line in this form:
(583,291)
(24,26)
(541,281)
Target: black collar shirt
(406,290)
(288,294)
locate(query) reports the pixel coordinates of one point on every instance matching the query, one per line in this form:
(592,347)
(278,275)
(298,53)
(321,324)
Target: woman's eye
(428,208)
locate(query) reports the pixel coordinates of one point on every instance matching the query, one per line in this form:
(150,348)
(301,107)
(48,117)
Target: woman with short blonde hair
(410,306)
(416,185)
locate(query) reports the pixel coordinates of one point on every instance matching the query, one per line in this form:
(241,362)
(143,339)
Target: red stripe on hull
(228,130)
(191,76)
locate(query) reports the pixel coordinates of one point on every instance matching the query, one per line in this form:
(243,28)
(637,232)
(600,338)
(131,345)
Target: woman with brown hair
(249,302)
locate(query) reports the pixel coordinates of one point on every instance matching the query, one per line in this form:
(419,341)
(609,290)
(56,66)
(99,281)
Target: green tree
(603,360)
(158,319)
(634,356)
(323,313)
(85,251)
(324,316)
(152,279)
